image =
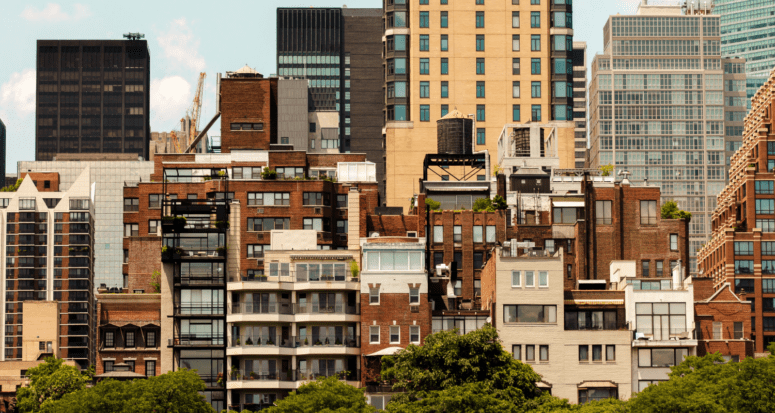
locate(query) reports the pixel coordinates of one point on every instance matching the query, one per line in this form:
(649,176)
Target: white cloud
(18,94)
(180,46)
(170,97)
(53,13)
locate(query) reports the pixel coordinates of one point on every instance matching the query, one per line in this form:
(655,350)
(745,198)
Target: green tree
(49,382)
(457,371)
(607,169)
(170,393)
(499,202)
(670,211)
(12,188)
(483,205)
(432,205)
(326,395)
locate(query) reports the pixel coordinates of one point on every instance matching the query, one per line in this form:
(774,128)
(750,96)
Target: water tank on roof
(455,133)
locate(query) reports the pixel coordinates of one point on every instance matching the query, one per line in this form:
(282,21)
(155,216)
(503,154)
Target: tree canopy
(49,382)
(453,372)
(326,395)
(489,205)
(172,392)
(432,205)
(670,211)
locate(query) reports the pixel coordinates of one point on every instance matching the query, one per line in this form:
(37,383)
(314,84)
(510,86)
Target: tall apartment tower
(338,50)
(92,97)
(741,250)
(579,58)
(48,258)
(661,107)
(747,30)
(2,150)
(497,63)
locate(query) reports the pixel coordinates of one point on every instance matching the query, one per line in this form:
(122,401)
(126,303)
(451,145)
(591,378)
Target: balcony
(315,308)
(197,340)
(262,308)
(277,340)
(199,309)
(290,379)
(663,337)
(199,279)
(297,280)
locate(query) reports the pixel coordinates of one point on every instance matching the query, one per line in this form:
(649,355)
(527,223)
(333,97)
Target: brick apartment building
(741,250)
(722,320)
(231,211)
(248,104)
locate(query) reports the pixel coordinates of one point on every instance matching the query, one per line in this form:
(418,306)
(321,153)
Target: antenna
(134,36)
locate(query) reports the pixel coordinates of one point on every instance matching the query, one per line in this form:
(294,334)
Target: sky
(185,38)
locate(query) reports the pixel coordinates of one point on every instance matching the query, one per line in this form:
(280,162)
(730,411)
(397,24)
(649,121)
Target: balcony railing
(263,375)
(262,308)
(293,276)
(199,308)
(200,279)
(680,333)
(198,339)
(326,309)
(277,340)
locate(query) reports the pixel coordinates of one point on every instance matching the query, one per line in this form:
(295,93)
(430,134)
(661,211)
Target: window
(515,89)
(268,224)
(535,66)
(766,225)
(515,66)
(660,320)
(659,269)
(480,113)
(444,66)
(543,353)
(130,339)
(110,339)
(674,242)
(312,127)
(765,206)
(564,215)
(549,246)
(768,286)
(247,126)
(535,19)
(395,334)
(596,394)
(424,66)
(535,2)
(131,230)
(256,250)
(515,113)
(763,187)
(516,350)
(425,89)
(480,91)
(479,1)
(424,19)
(603,212)
(131,364)
(341,201)
(458,288)
(438,233)
(479,19)
(648,212)
(444,90)
(269,198)
(738,330)
(154,201)
(425,113)
(479,42)
(131,204)
(153,226)
(769,323)
(150,339)
(108,366)
(661,357)
(597,353)
(316,198)
(478,234)
(535,89)
(743,267)
(535,42)
(717,330)
(373,334)
(535,113)
(746,285)
(341,227)
(516,279)
(374,295)
(414,334)
(479,65)
(444,20)
(314,224)
(529,313)
(489,233)
(530,351)
(457,233)
(444,43)
(584,353)
(543,279)
(444,110)
(644,269)
(515,19)
(610,353)
(514,42)
(478,260)
(424,43)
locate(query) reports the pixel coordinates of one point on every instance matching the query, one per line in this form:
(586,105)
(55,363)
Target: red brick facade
(248,100)
(44,181)
(732,337)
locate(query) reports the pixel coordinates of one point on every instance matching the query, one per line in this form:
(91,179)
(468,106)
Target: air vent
(318,210)
(260,210)
(412,234)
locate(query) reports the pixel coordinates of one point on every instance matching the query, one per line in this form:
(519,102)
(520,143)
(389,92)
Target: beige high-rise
(486,41)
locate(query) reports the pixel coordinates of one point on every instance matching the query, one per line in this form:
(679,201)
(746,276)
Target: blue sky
(185,38)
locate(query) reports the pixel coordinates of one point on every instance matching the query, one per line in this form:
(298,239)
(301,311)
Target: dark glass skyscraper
(92,97)
(332,47)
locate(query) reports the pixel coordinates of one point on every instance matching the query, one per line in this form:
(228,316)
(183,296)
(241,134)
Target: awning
(569,204)
(385,352)
(597,385)
(136,323)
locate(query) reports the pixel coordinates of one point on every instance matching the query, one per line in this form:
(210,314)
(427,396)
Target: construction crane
(195,111)
(175,142)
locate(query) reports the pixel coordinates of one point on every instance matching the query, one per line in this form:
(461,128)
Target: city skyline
(182,43)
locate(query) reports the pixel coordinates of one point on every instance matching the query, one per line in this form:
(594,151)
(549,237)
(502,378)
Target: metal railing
(199,308)
(664,333)
(262,308)
(293,276)
(277,340)
(263,375)
(315,308)
(198,339)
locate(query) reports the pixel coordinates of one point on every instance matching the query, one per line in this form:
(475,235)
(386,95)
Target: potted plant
(249,342)
(239,342)
(306,342)
(220,379)
(270,342)
(221,174)
(221,251)
(206,178)
(234,372)
(268,173)
(338,342)
(354,270)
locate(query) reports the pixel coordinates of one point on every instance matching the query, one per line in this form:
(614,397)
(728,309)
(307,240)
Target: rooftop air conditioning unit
(442,270)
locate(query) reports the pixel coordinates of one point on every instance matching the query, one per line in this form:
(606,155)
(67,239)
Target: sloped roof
(455,114)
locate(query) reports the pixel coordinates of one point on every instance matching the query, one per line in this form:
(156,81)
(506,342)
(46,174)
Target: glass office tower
(665,107)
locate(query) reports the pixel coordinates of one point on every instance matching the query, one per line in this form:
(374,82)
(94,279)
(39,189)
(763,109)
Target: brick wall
(42,179)
(144,259)
(251,100)
(725,308)
(120,313)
